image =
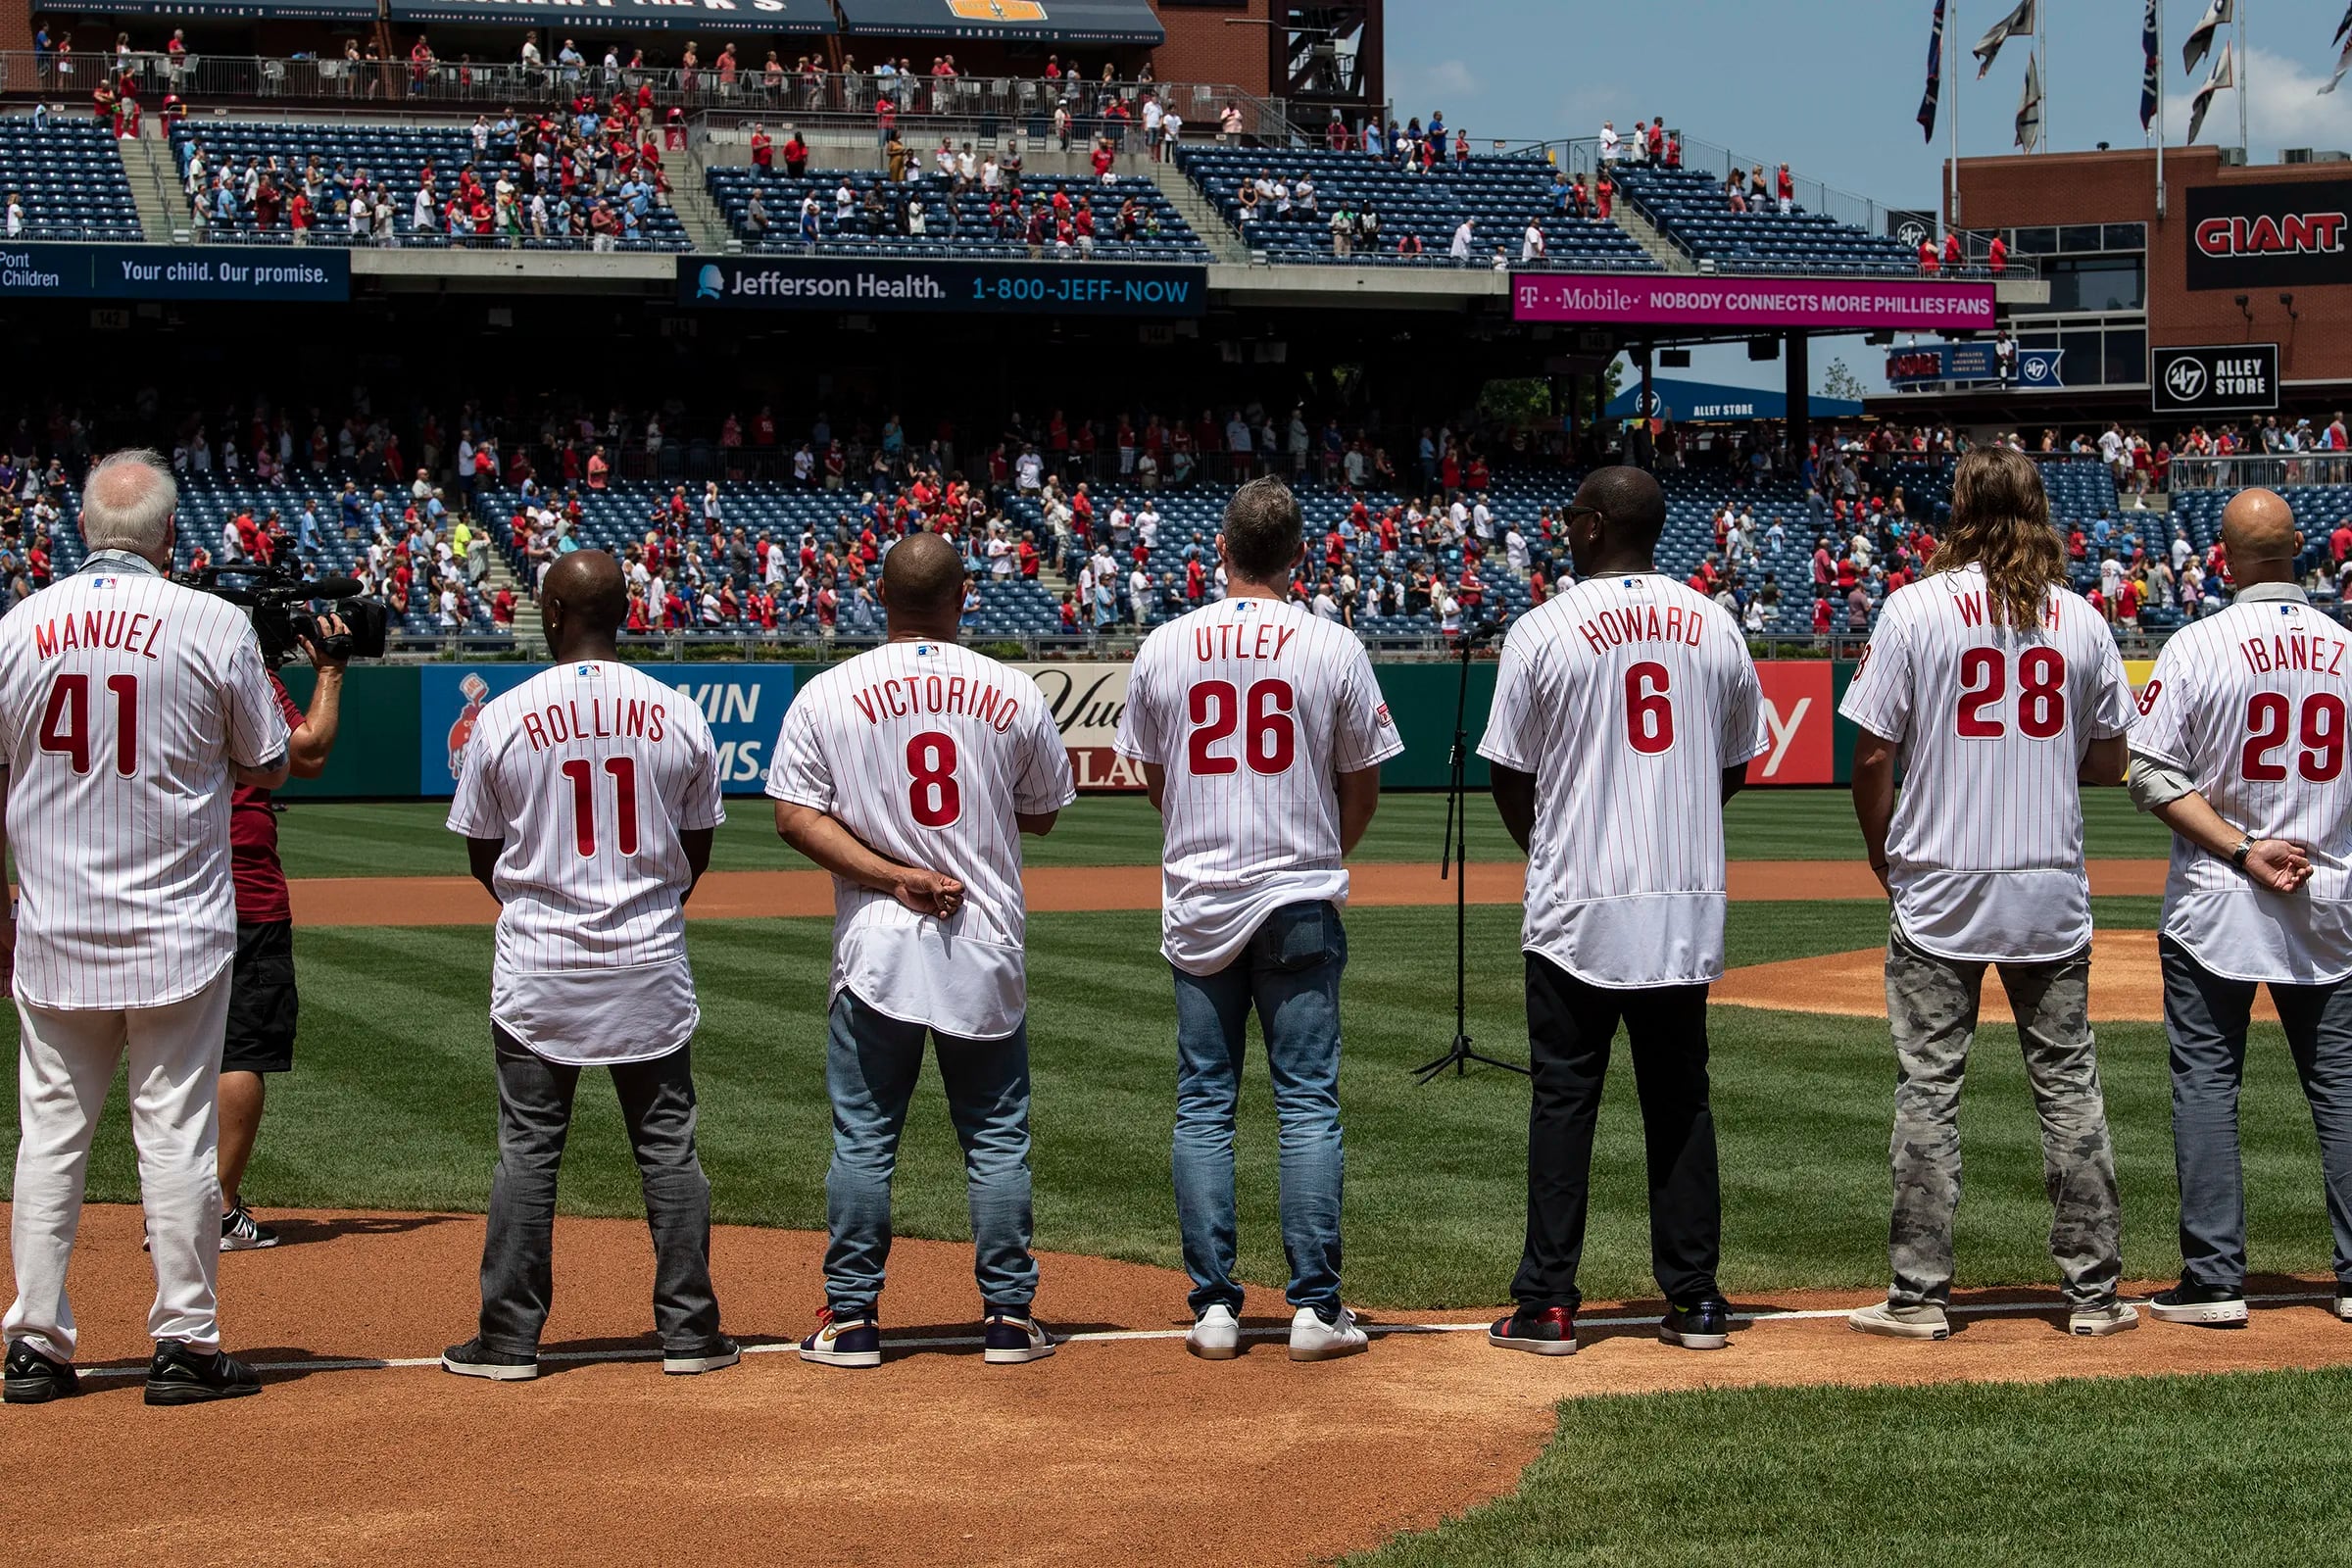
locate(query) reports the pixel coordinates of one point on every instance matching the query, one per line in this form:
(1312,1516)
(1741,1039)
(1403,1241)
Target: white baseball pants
(65,1064)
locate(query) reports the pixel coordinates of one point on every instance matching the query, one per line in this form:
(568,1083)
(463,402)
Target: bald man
(588,796)
(909,772)
(2241,751)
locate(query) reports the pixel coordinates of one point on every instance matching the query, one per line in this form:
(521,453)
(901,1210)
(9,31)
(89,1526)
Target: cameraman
(261,1003)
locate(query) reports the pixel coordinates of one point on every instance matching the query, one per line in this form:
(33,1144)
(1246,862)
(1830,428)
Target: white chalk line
(1126,1336)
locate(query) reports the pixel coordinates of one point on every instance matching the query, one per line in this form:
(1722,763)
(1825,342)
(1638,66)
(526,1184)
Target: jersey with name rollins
(604,718)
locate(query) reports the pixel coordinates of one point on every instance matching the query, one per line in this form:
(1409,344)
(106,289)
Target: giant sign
(1817,303)
(743,704)
(43,270)
(2214,378)
(892,284)
(2276,234)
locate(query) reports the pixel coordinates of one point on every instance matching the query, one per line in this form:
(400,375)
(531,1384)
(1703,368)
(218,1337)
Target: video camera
(279,600)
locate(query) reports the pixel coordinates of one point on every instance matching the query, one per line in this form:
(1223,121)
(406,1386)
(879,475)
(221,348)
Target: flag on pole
(2200,36)
(2223,77)
(2028,107)
(2151,65)
(2343,61)
(1927,104)
(2019,21)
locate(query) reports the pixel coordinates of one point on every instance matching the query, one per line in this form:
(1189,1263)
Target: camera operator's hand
(330,626)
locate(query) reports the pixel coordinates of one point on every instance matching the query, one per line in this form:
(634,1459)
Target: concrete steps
(706,225)
(1662,249)
(1221,237)
(154,187)
(529,632)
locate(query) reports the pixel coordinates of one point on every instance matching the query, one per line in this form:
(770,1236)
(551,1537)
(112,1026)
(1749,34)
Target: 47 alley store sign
(2279,234)
(2213,379)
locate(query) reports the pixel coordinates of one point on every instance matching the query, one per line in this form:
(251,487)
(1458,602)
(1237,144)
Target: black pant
(1570,1026)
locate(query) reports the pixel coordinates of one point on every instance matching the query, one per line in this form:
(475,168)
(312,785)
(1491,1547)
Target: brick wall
(1201,47)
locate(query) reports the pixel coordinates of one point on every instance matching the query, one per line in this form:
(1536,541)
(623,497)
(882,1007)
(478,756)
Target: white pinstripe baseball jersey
(1628,698)
(2251,705)
(1991,725)
(926,751)
(124,700)
(1250,706)
(588,772)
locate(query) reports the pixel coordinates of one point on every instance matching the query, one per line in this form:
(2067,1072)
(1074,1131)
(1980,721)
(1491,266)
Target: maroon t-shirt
(253,841)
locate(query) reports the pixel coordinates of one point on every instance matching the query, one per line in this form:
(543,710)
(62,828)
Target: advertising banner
(744,705)
(2214,378)
(42,269)
(1087,701)
(1044,20)
(1799,716)
(763,16)
(1842,303)
(914,283)
(1929,363)
(2277,235)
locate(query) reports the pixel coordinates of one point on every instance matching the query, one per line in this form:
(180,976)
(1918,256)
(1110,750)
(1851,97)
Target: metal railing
(2268,470)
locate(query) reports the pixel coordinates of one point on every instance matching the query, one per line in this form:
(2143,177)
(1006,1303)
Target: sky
(1833,87)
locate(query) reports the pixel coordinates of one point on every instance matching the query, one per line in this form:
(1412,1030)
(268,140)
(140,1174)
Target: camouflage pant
(1932,1003)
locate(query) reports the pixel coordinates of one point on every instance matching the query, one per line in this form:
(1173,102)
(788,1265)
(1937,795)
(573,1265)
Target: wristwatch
(2245,847)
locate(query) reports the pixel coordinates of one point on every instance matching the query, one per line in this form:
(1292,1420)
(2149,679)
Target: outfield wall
(405,725)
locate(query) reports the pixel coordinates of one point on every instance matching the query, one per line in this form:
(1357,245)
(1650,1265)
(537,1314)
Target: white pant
(65,1063)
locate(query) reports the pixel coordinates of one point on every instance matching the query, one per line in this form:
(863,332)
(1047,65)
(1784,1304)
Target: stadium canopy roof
(237,9)
(714,17)
(1038,21)
(1708,402)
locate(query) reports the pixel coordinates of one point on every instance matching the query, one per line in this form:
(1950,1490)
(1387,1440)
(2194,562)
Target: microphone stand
(1455,856)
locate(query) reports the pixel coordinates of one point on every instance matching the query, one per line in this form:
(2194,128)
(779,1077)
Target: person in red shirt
(298,216)
(263,1007)
(1928,267)
(1821,617)
(1996,257)
(796,155)
(502,608)
(1951,250)
(764,151)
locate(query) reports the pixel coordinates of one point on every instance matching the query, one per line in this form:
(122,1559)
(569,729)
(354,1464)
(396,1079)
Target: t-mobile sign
(1819,303)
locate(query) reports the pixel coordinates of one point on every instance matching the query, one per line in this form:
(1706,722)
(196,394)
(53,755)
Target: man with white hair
(128,706)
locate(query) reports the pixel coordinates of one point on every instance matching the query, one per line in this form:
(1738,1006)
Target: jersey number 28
(1984,685)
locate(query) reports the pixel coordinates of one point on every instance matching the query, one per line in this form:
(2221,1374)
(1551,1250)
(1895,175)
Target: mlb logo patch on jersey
(106,583)
(927,651)
(586,671)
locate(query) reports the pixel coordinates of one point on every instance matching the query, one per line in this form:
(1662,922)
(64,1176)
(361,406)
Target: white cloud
(2286,109)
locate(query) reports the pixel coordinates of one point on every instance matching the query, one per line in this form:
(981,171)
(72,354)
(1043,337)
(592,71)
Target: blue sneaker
(1012,1339)
(843,1340)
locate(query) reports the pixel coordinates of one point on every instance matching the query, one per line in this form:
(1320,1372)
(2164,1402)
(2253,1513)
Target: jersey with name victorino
(589,772)
(1628,698)
(2251,705)
(1250,706)
(1991,725)
(927,750)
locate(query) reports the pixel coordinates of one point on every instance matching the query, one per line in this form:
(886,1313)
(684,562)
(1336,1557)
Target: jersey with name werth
(124,700)
(588,772)
(2251,705)
(1627,698)
(926,751)
(1250,706)
(1992,726)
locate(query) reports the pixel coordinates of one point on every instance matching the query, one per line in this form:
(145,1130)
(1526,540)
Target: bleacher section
(68,175)
(394,158)
(970,235)
(1498,194)
(1689,208)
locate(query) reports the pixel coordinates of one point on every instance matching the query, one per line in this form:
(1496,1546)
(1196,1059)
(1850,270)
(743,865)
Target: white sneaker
(1217,1334)
(1313,1340)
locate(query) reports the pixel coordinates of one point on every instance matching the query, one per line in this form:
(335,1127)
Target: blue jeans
(1290,971)
(871,1064)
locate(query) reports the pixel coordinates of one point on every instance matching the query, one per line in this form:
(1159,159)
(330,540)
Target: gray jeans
(534,1116)
(1932,1003)
(2205,1017)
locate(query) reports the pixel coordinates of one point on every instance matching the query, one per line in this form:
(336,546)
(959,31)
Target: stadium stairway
(1662,249)
(1197,209)
(147,164)
(529,632)
(704,225)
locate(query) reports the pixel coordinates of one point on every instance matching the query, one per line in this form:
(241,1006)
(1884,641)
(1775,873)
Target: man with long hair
(1999,692)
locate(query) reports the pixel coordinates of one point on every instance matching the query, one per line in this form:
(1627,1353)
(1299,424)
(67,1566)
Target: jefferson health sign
(2277,235)
(1029,288)
(1821,304)
(263,272)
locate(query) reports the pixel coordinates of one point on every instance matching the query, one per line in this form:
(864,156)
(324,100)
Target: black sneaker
(240,1232)
(34,1379)
(1701,1325)
(2188,1302)
(710,1355)
(182,1374)
(474,1359)
(1545,1331)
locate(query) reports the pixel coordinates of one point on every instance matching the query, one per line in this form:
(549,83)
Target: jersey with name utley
(588,772)
(1250,708)
(2251,705)
(1628,698)
(124,700)
(927,750)
(1992,726)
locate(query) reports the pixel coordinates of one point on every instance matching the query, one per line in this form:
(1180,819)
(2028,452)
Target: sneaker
(182,1374)
(843,1340)
(1704,1325)
(1011,1338)
(1547,1331)
(2343,1305)
(2110,1317)
(1315,1338)
(240,1232)
(1216,1334)
(34,1379)
(712,1355)
(474,1359)
(1924,1321)
(2192,1302)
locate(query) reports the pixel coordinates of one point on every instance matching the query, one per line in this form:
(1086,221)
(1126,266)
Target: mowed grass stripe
(393,1106)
